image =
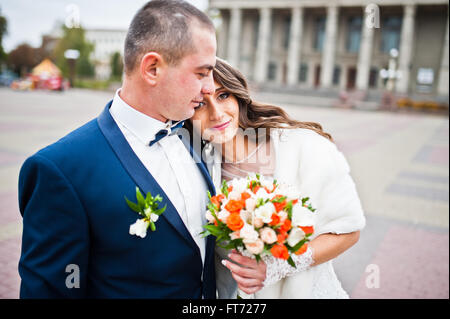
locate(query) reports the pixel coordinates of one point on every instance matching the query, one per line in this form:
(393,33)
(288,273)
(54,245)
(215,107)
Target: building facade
(106,43)
(337,44)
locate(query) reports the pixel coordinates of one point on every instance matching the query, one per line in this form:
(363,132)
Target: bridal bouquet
(258,217)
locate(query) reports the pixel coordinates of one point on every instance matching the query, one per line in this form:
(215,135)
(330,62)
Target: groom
(76,223)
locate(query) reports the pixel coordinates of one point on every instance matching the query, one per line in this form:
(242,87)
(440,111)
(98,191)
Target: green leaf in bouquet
(261,202)
(288,208)
(148,198)
(258,258)
(205,233)
(134,207)
(298,245)
(140,198)
(224,188)
(214,230)
(160,211)
(279,200)
(304,200)
(152,226)
(209,195)
(291,262)
(258,176)
(211,207)
(226,246)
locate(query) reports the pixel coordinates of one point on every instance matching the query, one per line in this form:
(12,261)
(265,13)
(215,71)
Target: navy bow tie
(165,132)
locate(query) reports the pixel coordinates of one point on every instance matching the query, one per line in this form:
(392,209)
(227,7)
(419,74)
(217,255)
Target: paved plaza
(399,161)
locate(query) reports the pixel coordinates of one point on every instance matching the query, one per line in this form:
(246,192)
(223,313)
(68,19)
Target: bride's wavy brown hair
(254,114)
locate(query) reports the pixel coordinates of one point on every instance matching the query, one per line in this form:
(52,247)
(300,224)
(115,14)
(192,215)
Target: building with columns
(337,44)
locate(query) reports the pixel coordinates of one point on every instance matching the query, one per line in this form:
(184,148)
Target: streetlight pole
(391,74)
(72,56)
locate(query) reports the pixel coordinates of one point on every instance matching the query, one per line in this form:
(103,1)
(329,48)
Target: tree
(3,31)
(74,38)
(23,58)
(116,66)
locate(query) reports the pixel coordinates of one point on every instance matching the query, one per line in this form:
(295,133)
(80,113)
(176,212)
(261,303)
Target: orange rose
(235,222)
(245,196)
(217,200)
(275,220)
(279,206)
(307,229)
(287,225)
(234,206)
(302,249)
(280,251)
(295,201)
(281,237)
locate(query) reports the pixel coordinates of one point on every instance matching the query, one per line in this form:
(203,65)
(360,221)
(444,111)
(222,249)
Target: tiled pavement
(399,162)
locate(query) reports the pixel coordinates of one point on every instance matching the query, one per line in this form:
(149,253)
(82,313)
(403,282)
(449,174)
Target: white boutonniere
(147,208)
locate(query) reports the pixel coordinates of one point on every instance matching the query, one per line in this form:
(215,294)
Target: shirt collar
(141,125)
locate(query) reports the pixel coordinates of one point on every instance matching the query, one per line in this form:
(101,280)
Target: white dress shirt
(170,164)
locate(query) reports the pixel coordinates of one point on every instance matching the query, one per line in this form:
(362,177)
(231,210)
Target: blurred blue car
(7,77)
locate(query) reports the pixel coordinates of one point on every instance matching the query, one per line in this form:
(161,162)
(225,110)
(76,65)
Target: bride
(243,137)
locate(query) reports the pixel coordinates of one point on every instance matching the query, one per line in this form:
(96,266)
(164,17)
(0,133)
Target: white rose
(268,235)
(239,185)
(223,215)
(255,247)
(290,192)
(246,216)
(302,216)
(139,228)
(295,235)
(250,204)
(283,215)
(257,222)
(235,235)
(234,195)
(265,212)
(248,233)
(262,193)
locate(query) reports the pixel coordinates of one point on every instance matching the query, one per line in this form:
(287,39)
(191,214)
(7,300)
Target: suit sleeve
(55,240)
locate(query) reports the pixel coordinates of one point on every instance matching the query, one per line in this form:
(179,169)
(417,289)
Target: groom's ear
(151,64)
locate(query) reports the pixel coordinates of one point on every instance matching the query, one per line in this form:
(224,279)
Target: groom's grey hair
(163,26)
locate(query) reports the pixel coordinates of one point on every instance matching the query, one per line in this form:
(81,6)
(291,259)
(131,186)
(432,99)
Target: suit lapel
(142,177)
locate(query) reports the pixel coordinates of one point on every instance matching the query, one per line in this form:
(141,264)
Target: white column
(262,51)
(364,56)
(222,37)
(442,88)
(329,48)
(234,37)
(295,41)
(406,48)
(247,46)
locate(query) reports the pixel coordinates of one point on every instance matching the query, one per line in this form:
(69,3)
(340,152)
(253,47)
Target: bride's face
(217,120)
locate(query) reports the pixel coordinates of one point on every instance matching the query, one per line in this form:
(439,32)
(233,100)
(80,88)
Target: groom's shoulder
(79,142)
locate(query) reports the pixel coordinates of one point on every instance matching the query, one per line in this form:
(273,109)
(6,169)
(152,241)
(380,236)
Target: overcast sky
(29,19)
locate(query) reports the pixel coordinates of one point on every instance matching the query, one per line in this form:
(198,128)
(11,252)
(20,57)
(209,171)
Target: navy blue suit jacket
(71,197)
